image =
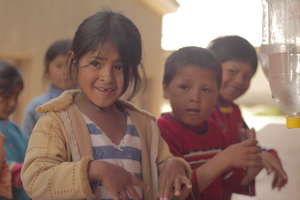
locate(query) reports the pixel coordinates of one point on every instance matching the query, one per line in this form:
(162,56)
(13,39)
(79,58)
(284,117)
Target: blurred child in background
(11,85)
(239,61)
(56,72)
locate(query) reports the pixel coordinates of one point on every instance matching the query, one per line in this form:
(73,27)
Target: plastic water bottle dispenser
(280,55)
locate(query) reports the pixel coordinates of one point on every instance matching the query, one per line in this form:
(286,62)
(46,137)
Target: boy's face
(236,79)
(193,94)
(58,73)
(8,103)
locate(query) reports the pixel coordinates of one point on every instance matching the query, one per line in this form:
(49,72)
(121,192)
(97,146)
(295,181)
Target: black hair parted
(234,48)
(10,78)
(192,55)
(116,29)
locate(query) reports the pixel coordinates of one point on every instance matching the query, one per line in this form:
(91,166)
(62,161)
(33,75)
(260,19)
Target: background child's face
(101,75)
(8,103)
(236,79)
(193,94)
(58,73)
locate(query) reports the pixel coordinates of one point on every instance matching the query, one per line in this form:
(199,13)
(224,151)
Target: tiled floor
(287,143)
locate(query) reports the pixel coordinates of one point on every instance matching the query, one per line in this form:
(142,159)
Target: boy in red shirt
(238,60)
(191,83)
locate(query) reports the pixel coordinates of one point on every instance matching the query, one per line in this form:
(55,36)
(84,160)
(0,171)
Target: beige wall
(28,27)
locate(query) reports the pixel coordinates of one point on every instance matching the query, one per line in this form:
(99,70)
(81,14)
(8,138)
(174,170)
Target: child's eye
(95,64)
(59,66)
(118,67)
(184,87)
(205,90)
(5,98)
(232,71)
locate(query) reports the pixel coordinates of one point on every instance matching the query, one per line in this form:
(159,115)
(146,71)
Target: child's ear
(165,91)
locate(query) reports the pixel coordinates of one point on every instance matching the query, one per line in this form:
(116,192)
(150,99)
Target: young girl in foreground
(91,144)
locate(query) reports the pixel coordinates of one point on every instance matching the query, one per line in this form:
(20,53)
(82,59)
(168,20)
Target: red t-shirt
(196,146)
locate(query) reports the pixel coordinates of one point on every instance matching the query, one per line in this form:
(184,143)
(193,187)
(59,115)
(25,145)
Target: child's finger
(136,181)
(177,187)
(133,193)
(280,171)
(274,182)
(249,142)
(254,150)
(252,133)
(279,182)
(124,195)
(115,195)
(186,182)
(166,191)
(268,167)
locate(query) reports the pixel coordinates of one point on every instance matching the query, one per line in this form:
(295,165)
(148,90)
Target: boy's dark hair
(10,77)
(115,28)
(234,48)
(197,56)
(59,47)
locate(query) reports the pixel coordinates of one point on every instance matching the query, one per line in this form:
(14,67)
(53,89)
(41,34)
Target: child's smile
(101,75)
(236,79)
(193,111)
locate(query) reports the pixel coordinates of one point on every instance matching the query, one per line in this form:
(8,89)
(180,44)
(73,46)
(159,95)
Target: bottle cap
(293,122)
(226,109)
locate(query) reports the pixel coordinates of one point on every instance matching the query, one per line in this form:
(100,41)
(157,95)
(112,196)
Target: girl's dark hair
(59,47)
(195,56)
(10,77)
(235,48)
(114,28)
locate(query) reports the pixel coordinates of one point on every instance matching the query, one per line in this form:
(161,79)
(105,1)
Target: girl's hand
(243,154)
(116,180)
(173,180)
(273,165)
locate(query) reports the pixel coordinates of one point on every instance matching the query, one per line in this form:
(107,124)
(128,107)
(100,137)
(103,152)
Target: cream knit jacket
(59,150)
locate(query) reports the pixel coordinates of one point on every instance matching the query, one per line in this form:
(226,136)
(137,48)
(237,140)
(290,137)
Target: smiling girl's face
(101,76)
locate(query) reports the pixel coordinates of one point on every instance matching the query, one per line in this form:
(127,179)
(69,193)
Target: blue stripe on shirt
(93,129)
(131,130)
(110,152)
